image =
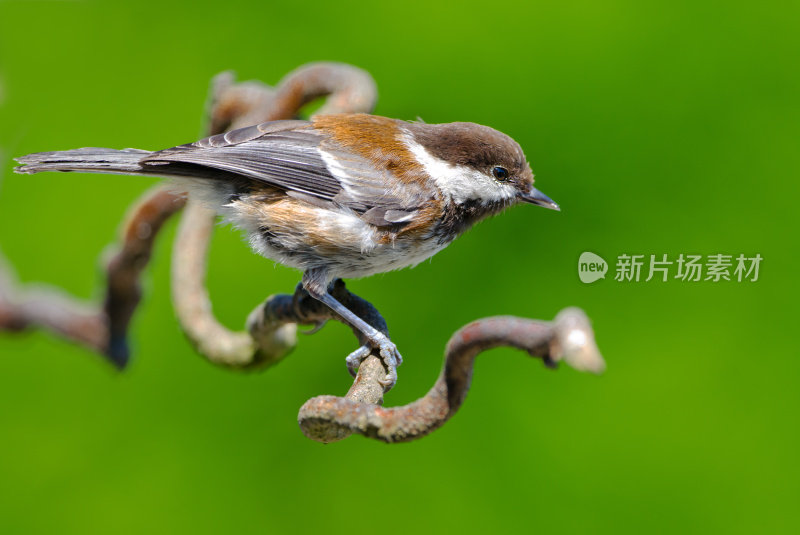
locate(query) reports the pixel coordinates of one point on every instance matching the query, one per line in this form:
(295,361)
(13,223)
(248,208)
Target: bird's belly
(309,237)
(391,256)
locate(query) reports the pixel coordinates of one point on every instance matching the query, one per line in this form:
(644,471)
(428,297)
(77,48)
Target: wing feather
(288,155)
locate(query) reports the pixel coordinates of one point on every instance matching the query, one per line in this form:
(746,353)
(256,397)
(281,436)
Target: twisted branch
(329,418)
(39,306)
(124,270)
(100,329)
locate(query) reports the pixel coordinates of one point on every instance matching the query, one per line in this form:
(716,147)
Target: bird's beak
(534,196)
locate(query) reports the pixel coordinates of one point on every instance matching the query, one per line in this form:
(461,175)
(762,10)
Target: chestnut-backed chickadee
(339,196)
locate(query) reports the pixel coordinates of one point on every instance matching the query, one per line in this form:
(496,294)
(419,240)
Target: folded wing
(288,155)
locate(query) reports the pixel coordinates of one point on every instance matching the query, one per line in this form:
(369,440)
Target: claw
(390,380)
(398,356)
(316,328)
(355,359)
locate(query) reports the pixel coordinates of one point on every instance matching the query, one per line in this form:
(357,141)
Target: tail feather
(88,160)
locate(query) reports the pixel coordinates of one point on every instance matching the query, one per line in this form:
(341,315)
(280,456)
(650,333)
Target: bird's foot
(389,355)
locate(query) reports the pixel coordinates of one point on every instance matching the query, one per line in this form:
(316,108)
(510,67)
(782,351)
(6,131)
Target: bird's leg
(315,283)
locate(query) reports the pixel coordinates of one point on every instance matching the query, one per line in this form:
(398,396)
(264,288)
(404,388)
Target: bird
(336,196)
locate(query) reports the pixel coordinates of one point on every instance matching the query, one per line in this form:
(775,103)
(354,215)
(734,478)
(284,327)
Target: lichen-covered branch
(329,418)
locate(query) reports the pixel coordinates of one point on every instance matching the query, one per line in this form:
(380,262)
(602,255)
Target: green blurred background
(660,127)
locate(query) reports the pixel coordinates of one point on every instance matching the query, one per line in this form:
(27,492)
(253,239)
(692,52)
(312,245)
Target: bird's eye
(500,173)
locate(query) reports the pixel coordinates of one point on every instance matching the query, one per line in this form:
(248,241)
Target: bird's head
(470,162)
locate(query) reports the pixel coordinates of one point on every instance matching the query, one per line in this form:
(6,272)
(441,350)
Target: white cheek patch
(458,182)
